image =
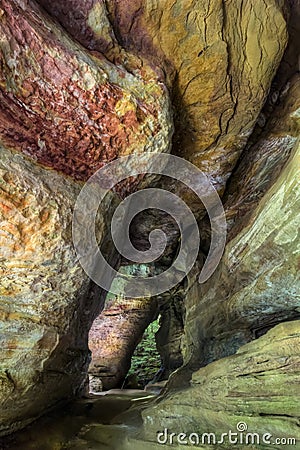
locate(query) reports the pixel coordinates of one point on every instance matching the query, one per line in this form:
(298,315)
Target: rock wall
(256,285)
(255,387)
(205,53)
(218,69)
(47,301)
(255,288)
(217,58)
(68,109)
(115,334)
(89,81)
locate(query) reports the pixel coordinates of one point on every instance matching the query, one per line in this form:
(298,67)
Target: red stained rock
(66,109)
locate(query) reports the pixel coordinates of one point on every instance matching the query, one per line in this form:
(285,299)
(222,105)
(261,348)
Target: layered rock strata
(47,302)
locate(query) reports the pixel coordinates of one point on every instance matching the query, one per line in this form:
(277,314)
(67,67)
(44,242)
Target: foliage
(145,361)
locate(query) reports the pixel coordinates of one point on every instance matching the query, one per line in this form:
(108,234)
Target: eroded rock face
(67,109)
(257,282)
(213,57)
(217,59)
(218,71)
(73,107)
(71,111)
(47,302)
(255,386)
(263,160)
(89,22)
(115,334)
(255,287)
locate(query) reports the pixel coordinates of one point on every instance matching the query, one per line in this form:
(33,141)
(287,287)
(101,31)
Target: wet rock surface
(87,423)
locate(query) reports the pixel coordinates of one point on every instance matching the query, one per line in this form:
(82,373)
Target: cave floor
(103,421)
(109,420)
